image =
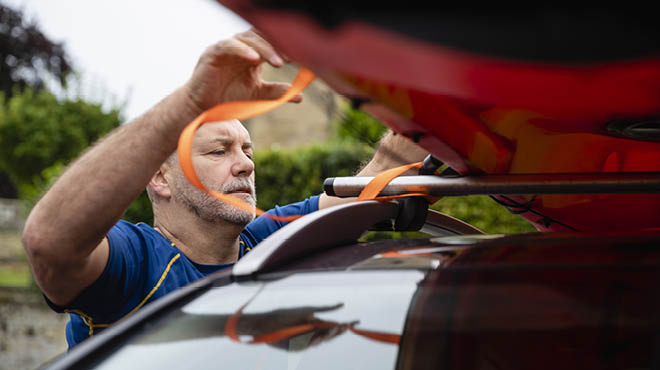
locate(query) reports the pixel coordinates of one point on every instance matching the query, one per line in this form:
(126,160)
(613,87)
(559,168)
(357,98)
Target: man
(100,269)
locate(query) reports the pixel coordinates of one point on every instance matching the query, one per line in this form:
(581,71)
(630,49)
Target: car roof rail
(440,224)
(335,226)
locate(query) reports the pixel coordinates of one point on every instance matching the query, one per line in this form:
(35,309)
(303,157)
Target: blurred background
(72,70)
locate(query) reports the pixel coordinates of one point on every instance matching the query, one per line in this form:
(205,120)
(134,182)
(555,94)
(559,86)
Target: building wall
(295,125)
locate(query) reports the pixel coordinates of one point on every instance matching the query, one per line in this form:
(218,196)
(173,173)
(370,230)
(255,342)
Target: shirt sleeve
(124,276)
(262,227)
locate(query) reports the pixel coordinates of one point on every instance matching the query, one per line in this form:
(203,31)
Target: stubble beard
(214,210)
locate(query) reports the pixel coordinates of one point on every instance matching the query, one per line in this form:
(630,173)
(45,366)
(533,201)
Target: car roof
(519,267)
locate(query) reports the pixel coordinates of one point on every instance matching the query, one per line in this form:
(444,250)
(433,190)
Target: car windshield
(346,320)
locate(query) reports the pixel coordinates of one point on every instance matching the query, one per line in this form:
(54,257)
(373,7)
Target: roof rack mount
(318,231)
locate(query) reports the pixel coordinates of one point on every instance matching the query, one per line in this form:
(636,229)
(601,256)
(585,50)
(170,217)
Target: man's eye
(218,152)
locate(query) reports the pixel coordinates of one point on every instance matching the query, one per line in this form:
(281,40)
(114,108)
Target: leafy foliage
(479,211)
(7,188)
(358,126)
(40,134)
(32,191)
(287,176)
(26,54)
(140,210)
(484,214)
(27,57)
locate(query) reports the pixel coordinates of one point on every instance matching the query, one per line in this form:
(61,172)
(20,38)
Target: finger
(232,48)
(274,90)
(297,99)
(285,57)
(258,32)
(265,49)
(279,52)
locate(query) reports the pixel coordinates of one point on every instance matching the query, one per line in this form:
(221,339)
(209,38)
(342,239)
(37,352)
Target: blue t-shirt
(143,266)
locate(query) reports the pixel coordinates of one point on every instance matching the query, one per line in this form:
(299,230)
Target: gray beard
(214,210)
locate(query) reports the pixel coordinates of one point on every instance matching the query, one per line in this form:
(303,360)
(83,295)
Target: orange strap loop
(379,182)
(246,109)
(235,110)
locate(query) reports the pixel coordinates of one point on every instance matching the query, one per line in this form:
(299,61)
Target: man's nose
(242,166)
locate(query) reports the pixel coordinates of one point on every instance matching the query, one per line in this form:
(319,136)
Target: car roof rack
(512,184)
(319,231)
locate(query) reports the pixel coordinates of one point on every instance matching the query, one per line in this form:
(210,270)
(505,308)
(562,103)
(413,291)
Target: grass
(15,275)
(10,244)
(14,269)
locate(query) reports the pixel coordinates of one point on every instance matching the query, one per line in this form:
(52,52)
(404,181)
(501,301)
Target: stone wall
(295,125)
(11,217)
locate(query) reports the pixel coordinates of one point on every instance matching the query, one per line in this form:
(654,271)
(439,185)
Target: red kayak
(498,93)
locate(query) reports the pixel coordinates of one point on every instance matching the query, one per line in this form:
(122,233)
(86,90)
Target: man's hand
(393,151)
(231,70)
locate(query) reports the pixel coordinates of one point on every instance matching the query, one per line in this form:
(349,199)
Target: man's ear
(159,184)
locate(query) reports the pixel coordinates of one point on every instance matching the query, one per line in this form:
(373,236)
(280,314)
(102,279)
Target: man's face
(222,156)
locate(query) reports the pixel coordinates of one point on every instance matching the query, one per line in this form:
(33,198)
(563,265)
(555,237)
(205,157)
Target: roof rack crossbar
(522,184)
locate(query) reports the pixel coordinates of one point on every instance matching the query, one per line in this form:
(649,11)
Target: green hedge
(483,213)
(287,176)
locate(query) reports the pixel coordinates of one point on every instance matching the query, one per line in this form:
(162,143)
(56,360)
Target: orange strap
(284,333)
(235,110)
(379,182)
(377,336)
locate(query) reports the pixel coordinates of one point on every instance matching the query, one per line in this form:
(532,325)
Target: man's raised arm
(64,235)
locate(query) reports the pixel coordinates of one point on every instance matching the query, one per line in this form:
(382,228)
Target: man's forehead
(222,131)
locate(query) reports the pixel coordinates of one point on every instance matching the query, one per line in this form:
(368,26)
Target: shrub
(287,176)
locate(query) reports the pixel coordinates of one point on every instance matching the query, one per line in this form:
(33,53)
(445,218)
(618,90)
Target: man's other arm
(393,151)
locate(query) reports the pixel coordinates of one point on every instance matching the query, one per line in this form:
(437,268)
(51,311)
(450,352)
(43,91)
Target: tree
(38,132)
(359,126)
(27,56)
